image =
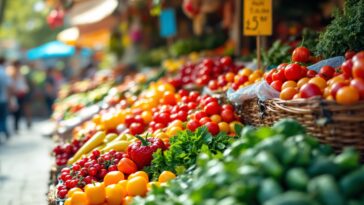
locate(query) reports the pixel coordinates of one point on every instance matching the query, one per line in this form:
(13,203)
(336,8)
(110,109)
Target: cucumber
(326,190)
(268,189)
(291,198)
(353,183)
(348,159)
(297,179)
(269,164)
(323,165)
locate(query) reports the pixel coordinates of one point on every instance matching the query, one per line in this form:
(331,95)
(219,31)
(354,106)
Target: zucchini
(291,198)
(297,179)
(326,190)
(353,184)
(268,189)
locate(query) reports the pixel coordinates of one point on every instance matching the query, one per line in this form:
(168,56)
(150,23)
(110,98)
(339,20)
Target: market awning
(91,11)
(92,39)
(54,49)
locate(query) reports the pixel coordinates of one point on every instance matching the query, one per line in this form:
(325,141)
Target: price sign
(257,17)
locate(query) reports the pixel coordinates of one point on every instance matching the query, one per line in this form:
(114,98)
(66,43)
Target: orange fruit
(289,84)
(113,177)
(137,186)
(253,77)
(67,202)
(128,200)
(166,176)
(127,166)
(297,96)
(139,174)
(347,95)
(123,183)
(335,79)
(169,99)
(172,131)
(73,190)
(320,82)
(288,93)
(79,198)
(215,118)
(147,116)
(302,81)
(246,72)
(95,193)
(114,194)
(224,127)
(229,77)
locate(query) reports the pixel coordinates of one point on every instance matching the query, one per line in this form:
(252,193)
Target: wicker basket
(337,125)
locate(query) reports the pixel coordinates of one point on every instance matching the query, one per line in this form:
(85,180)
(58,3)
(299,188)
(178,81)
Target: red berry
(213,128)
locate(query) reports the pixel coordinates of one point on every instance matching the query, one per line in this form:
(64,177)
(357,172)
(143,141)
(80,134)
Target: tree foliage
(25,25)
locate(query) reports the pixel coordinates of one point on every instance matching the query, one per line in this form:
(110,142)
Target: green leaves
(184,149)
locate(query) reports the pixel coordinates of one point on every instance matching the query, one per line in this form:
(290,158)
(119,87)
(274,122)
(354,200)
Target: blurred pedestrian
(21,89)
(50,89)
(5,91)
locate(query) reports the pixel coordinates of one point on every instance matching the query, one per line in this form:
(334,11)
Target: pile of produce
(270,166)
(344,84)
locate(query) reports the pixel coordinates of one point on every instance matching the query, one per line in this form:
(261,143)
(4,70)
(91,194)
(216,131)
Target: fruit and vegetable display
(272,166)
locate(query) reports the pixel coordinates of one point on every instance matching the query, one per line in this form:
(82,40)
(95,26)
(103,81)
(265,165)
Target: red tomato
(358,68)
(358,56)
(310,90)
(212,108)
(277,85)
(304,70)
(227,107)
(226,61)
(227,115)
(279,75)
(335,87)
(213,128)
(311,73)
(136,128)
(282,66)
(301,54)
(200,114)
(183,92)
(213,85)
(349,54)
(358,83)
(268,77)
(347,67)
(235,86)
(204,120)
(293,72)
(193,125)
(208,63)
(327,71)
(243,79)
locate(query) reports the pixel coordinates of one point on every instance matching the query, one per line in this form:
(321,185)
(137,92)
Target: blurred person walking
(21,89)
(50,89)
(5,92)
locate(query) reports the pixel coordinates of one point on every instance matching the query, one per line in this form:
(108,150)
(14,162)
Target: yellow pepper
(95,193)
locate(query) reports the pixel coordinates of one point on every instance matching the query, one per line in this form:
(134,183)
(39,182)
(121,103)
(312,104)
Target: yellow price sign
(257,17)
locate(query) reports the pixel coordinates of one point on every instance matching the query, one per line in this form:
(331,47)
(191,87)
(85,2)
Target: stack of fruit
(344,84)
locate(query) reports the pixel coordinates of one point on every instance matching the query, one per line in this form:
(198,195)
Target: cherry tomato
(279,75)
(212,108)
(289,84)
(347,95)
(193,125)
(213,85)
(277,85)
(227,116)
(226,61)
(288,93)
(200,114)
(358,83)
(204,120)
(327,71)
(349,54)
(347,67)
(335,87)
(136,128)
(227,107)
(62,193)
(358,68)
(301,54)
(224,127)
(320,82)
(282,66)
(293,72)
(213,128)
(310,90)
(311,73)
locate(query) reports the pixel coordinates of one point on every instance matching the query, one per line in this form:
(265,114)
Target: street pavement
(24,166)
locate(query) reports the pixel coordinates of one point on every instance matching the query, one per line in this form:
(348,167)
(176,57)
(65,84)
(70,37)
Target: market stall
(202,127)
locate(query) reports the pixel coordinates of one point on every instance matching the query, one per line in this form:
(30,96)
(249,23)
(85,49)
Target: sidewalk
(24,167)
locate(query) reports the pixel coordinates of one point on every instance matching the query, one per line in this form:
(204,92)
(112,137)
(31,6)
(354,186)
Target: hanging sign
(167,23)
(257,17)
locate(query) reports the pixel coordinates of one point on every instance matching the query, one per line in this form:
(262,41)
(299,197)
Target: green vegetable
(353,184)
(268,190)
(326,190)
(291,198)
(289,127)
(345,32)
(277,54)
(297,179)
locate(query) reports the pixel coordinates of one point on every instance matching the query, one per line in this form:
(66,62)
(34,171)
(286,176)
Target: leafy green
(346,31)
(184,149)
(310,39)
(277,54)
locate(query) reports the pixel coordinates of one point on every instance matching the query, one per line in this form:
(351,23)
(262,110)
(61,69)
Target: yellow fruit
(73,190)
(137,186)
(215,118)
(224,127)
(166,176)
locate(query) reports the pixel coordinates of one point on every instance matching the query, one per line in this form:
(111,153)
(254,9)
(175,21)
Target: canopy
(96,38)
(54,49)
